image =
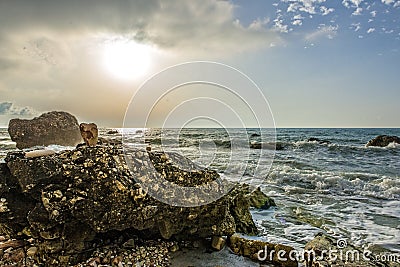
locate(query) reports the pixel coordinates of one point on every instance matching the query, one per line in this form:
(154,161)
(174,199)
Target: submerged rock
(56,127)
(383,140)
(64,201)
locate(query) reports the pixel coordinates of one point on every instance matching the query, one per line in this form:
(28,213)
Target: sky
(318,63)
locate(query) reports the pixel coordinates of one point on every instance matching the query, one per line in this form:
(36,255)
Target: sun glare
(125,59)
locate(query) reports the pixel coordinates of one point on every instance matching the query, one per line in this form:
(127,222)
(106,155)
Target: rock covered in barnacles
(74,196)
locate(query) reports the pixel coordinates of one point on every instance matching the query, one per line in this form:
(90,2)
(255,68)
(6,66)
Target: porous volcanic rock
(67,200)
(56,127)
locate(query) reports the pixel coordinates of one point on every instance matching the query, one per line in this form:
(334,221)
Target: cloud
(8,108)
(166,24)
(5,108)
(387,2)
(279,25)
(352,3)
(51,51)
(327,31)
(357,12)
(325,11)
(356,26)
(297,22)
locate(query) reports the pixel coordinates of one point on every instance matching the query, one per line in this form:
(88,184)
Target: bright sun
(125,59)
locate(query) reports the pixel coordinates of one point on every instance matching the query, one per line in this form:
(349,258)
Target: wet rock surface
(56,127)
(324,250)
(383,140)
(69,203)
(261,251)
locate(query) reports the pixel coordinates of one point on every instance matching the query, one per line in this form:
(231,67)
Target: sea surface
(340,187)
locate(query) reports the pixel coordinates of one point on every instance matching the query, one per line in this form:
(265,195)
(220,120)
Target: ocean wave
(335,183)
(56,148)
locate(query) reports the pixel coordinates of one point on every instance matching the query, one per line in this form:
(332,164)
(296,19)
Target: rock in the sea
(112,132)
(258,250)
(383,140)
(56,127)
(269,146)
(90,133)
(67,201)
(324,250)
(259,200)
(319,141)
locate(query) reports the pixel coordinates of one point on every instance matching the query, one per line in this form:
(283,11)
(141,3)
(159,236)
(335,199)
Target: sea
(334,185)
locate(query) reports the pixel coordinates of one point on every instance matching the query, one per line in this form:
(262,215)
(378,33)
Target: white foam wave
(340,183)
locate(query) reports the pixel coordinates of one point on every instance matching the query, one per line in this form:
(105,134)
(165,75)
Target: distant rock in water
(254,135)
(383,140)
(112,132)
(90,133)
(52,128)
(319,141)
(269,146)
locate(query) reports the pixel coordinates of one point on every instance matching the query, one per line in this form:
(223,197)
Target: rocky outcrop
(59,128)
(383,140)
(68,201)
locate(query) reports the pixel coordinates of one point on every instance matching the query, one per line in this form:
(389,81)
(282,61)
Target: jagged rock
(383,140)
(262,251)
(56,127)
(218,242)
(112,132)
(64,201)
(259,200)
(343,254)
(89,133)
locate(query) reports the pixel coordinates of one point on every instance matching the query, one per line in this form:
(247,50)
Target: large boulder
(383,140)
(77,196)
(56,127)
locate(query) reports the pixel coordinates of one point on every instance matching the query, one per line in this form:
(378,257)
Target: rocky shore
(82,207)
